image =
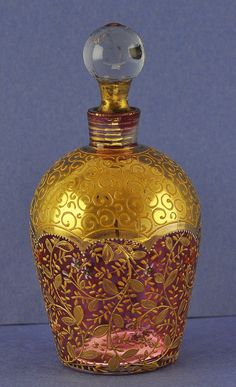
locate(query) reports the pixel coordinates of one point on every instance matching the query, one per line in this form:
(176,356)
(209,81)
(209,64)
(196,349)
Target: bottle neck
(113,130)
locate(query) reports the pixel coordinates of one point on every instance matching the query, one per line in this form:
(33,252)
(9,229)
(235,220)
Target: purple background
(187,93)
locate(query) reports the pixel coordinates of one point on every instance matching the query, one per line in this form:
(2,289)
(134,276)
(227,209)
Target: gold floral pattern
(117,306)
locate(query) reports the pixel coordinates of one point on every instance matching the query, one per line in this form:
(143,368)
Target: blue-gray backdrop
(187,93)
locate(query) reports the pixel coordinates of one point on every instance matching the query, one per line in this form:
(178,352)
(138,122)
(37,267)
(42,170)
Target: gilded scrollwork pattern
(117,306)
(134,193)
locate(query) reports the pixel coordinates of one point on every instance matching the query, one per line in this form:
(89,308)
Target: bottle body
(115,235)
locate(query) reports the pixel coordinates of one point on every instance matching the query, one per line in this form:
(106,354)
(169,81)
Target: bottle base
(125,369)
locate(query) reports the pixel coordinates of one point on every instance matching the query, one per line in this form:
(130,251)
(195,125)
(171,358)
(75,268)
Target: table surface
(207,359)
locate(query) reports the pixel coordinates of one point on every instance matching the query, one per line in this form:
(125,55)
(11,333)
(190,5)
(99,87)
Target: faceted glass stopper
(114,52)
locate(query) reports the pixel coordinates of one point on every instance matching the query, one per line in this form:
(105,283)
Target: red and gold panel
(117,306)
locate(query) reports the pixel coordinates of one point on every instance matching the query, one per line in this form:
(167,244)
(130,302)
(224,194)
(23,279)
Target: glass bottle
(115,231)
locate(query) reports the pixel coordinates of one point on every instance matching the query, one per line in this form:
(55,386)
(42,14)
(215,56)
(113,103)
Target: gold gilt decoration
(117,307)
(138,193)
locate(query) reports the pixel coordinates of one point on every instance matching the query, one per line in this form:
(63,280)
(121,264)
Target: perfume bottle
(115,229)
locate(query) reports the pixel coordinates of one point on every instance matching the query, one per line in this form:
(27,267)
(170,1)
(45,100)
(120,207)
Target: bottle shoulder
(142,190)
(76,162)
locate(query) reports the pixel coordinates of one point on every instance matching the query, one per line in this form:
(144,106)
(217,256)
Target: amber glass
(115,233)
